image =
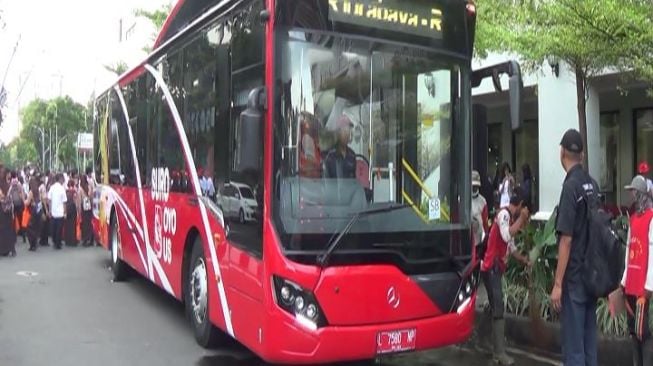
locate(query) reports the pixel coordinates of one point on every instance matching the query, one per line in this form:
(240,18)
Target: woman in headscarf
(35,203)
(70,223)
(7,229)
(637,281)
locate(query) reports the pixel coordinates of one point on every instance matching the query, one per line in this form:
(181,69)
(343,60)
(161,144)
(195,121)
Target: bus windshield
(362,124)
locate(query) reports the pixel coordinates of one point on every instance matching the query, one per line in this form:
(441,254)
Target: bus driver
(340,161)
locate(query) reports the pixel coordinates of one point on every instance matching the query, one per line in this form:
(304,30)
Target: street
(60,308)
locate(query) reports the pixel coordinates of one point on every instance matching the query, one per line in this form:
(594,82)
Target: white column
(594,150)
(557,112)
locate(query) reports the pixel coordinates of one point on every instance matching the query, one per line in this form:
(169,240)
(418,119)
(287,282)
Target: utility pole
(11,59)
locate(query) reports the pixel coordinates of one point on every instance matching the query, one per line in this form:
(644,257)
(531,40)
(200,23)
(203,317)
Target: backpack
(603,263)
(14,192)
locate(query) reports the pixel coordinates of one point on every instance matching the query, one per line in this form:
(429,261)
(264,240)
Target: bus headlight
(465,293)
(298,302)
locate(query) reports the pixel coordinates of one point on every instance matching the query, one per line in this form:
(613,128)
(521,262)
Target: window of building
(609,164)
(494,154)
(644,136)
(526,158)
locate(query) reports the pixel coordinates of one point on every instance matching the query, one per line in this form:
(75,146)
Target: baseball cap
(572,141)
(476,178)
(638,184)
(643,168)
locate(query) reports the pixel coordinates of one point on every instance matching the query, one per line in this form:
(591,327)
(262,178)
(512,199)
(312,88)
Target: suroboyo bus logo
(165,218)
(160,184)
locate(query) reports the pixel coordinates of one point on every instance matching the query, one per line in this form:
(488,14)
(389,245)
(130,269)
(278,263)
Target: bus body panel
(361,307)
(348,343)
(371,294)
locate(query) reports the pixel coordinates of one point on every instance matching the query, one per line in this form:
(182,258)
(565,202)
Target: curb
(543,339)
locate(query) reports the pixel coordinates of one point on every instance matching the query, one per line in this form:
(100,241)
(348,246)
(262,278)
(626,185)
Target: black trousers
(35,229)
(45,232)
(492,283)
(57,231)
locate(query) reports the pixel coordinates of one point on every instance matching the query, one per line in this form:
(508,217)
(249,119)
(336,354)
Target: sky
(62,46)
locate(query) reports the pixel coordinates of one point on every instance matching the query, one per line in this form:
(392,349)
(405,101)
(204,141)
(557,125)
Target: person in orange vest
(637,281)
(507,223)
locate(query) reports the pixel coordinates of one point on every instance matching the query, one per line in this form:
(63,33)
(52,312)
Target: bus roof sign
(400,16)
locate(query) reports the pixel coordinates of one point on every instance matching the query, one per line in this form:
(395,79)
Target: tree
(119,68)
(156,17)
(51,126)
(588,35)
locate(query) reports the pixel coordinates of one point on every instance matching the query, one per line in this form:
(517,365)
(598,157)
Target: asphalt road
(60,308)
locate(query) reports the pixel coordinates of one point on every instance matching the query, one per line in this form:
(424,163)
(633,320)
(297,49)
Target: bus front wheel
(118,267)
(197,301)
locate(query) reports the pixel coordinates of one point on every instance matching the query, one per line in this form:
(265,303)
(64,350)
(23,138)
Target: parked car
(237,200)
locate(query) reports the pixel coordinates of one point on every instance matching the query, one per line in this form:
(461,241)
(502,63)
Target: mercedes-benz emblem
(393,297)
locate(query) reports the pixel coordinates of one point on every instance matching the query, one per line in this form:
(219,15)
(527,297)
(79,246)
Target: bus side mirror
(516,86)
(250,132)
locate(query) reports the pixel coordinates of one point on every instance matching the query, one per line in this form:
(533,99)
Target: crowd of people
(39,206)
(570,296)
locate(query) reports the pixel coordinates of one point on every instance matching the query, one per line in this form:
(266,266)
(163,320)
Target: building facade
(619,129)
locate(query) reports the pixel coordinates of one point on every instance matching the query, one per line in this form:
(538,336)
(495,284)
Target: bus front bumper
(288,342)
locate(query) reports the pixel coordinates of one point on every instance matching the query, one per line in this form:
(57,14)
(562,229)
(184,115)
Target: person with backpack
(569,296)
(507,223)
(17,195)
(36,204)
(637,280)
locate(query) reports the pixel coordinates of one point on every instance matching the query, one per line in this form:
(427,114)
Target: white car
(237,200)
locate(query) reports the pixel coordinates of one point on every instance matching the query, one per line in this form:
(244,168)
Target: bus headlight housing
(465,293)
(298,302)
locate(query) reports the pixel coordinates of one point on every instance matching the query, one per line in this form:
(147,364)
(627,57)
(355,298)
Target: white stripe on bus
(139,186)
(193,171)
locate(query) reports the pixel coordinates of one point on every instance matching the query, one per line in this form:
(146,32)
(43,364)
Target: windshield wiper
(323,259)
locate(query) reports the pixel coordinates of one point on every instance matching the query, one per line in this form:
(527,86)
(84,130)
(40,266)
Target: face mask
(475,192)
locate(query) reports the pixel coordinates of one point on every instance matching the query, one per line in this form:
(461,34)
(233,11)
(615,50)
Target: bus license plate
(396,341)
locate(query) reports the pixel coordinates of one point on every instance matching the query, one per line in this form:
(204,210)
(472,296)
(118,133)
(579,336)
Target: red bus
(297,173)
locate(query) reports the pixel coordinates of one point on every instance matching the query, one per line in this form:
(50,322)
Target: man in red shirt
(637,281)
(508,222)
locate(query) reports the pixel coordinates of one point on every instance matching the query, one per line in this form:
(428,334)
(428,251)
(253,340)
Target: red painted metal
(353,298)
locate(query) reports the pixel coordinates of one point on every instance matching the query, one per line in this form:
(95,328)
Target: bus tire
(197,302)
(119,268)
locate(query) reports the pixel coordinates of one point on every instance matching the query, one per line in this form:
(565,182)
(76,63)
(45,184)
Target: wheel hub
(115,242)
(198,291)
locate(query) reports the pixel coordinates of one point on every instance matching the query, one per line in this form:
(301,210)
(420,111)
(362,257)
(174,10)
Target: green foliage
(609,325)
(60,118)
(527,290)
(588,35)
(119,68)
(156,17)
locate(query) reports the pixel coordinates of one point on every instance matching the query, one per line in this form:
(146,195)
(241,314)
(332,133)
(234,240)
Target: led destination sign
(401,16)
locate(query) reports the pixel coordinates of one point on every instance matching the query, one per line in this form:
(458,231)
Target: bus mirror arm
(515,83)
(250,132)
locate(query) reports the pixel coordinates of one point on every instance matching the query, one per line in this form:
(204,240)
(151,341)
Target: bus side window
(247,72)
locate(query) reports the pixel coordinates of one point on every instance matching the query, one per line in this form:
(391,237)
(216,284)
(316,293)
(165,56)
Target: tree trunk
(581,84)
